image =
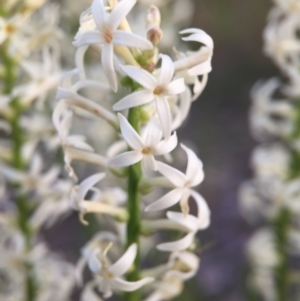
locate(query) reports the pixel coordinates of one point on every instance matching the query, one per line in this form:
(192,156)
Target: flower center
(158,90)
(108,35)
(146,150)
(10,28)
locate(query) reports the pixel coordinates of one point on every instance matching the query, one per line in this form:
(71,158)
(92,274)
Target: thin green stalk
(281,228)
(134,226)
(22,202)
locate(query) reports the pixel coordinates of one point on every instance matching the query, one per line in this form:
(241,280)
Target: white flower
(154,89)
(44,76)
(144,148)
(190,222)
(79,202)
(34,178)
(108,35)
(199,62)
(109,276)
(182,183)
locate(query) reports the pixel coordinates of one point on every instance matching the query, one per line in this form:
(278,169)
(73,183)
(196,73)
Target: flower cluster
(272,197)
(32,193)
(129,143)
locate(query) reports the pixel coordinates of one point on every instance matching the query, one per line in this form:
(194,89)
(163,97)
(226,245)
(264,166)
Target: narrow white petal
(201,69)
(198,35)
(94,263)
(87,184)
(77,141)
(125,159)
(168,200)
(120,267)
(127,286)
(177,86)
(188,221)
(89,38)
(166,146)
(203,210)
(129,39)
(154,133)
(190,259)
(119,12)
(50,176)
(99,13)
(141,76)
(179,245)
(194,171)
(108,65)
(79,61)
(149,163)
(130,135)
(164,115)
(134,100)
(172,174)
(166,71)
(36,165)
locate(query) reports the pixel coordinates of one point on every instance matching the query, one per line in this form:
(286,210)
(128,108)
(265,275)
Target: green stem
(22,202)
(133,225)
(281,227)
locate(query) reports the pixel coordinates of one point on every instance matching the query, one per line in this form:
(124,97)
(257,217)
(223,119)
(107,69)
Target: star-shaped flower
(144,148)
(109,276)
(107,34)
(154,89)
(182,183)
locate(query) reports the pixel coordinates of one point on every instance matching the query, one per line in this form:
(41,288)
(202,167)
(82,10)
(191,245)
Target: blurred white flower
(109,277)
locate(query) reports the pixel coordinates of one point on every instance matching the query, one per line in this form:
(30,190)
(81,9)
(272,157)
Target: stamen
(108,35)
(158,90)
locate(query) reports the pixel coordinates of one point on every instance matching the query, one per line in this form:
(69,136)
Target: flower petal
(154,133)
(125,159)
(149,163)
(166,71)
(119,12)
(201,69)
(194,171)
(127,286)
(164,115)
(94,263)
(129,39)
(179,245)
(99,13)
(89,38)
(186,220)
(172,174)
(166,201)
(198,35)
(141,76)
(130,135)
(177,86)
(134,100)
(166,146)
(87,184)
(108,65)
(203,210)
(120,267)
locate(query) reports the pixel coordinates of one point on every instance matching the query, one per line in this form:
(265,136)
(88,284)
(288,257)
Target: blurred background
(218,127)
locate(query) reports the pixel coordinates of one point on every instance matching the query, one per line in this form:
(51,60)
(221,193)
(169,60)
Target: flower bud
(153,17)
(154,35)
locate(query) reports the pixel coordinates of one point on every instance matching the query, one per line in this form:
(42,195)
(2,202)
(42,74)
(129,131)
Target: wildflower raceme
(131,99)
(272,197)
